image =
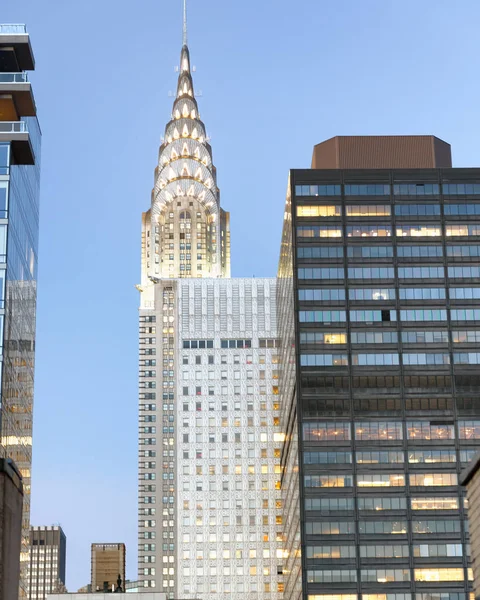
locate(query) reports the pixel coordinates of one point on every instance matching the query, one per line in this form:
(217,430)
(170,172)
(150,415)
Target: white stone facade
(210,507)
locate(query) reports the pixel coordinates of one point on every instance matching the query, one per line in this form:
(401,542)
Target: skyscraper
(209,438)
(108,563)
(379,321)
(19,202)
(46,572)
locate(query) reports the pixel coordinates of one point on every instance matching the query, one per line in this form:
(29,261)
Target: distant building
(108,562)
(46,572)
(11,501)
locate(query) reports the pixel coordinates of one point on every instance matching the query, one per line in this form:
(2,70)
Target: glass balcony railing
(13,127)
(14,28)
(13,78)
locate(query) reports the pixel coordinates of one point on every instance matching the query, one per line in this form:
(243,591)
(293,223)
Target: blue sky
(277,77)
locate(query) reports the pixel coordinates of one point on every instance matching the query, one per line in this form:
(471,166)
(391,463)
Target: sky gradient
(277,77)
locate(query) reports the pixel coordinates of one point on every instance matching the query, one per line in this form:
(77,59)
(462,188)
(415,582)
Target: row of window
(380,480)
(389,359)
(371,316)
(414,272)
(395,527)
(382,294)
(373,457)
(387,251)
(389,430)
(390,337)
(385,210)
(430,595)
(380,189)
(386,230)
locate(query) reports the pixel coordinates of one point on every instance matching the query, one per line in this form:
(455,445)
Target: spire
(185,38)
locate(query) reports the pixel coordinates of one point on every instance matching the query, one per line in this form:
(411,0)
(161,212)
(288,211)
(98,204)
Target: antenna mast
(185,39)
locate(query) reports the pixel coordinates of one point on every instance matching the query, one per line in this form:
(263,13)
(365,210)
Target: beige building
(470,478)
(108,563)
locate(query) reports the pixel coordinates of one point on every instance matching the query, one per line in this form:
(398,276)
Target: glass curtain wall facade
(47,563)
(382,269)
(19,209)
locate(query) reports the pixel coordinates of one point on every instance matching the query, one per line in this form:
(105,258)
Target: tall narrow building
(19,204)
(209,436)
(47,564)
(378,291)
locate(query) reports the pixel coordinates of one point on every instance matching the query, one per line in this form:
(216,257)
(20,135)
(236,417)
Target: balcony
(16,132)
(17,88)
(15,49)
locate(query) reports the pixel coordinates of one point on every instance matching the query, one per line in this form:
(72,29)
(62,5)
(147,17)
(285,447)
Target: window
(461,230)
(432,575)
(330,528)
(465,293)
(377,294)
(328,481)
(236,344)
(318,190)
(410,230)
(428,358)
(318,337)
(381,504)
(322,294)
(374,337)
(385,575)
(370,251)
(425,430)
(327,458)
(319,231)
(374,457)
(323,360)
(419,251)
(428,527)
(320,432)
(322,316)
(461,209)
(461,189)
(382,527)
(320,252)
(422,293)
(371,273)
(380,480)
(369,189)
(423,315)
(465,314)
(319,273)
(371,230)
(416,189)
(433,479)
(440,503)
(424,337)
(417,210)
(460,251)
(431,456)
(421,272)
(375,359)
(197,344)
(466,358)
(384,551)
(464,272)
(378,430)
(330,552)
(319,211)
(369,316)
(329,504)
(332,576)
(469,430)
(368,210)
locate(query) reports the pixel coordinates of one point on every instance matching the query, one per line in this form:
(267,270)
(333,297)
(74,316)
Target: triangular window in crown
(185,151)
(194,133)
(176,134)
(174,154)
(185,111)
(191,190)
(197,153)
(185,170)
(177,114)
(198,174)
(185,131)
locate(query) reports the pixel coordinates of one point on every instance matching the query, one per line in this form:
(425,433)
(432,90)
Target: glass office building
(19,197)
(379,319)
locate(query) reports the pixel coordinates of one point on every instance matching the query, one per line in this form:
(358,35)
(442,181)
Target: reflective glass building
(379,319)
(19,197)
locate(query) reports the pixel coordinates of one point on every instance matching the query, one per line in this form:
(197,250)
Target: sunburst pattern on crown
(185,167)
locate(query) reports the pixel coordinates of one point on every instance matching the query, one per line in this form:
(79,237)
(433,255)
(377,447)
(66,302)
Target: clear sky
(277,77)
